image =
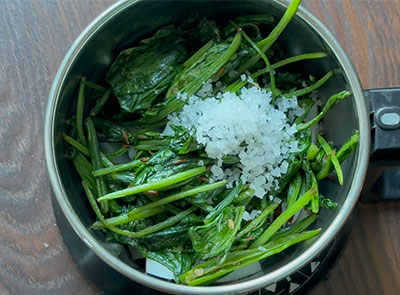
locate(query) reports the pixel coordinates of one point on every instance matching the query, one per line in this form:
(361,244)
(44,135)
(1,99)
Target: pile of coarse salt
(246,125)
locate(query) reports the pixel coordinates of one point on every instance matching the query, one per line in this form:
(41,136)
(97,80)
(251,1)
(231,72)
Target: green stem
(195,57)
(334,99)
(95,86)
(297,58)
(258,221)
(210,270)
(243,197)
(312,152)
(225,202)
(312,181)
(161,225)
(79,112)
(315,86)
(152,145)
(126,177)
(266,43)
(120,219)
(168,181)
(301,226)
(213,68)
(350,144)
(81,148)
(178,196)
(97,210)
(170,107)
(117,153)
(168,207)
(294,189)
(207,208)
(100,103)
(236,86)
(96,157)
(78,146)
(117,168)
(284,217)
(267,63)
(84,169)
(106,162)
(326,169)
(328,151)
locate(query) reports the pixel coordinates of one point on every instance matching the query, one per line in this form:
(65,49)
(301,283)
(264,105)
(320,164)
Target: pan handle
(383,177)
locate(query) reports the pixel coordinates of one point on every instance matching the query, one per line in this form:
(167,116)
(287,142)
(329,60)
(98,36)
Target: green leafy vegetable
(163,194)
(79,112)
(210,270)
(176,261)
(154,185)
(94,150)
(256,223)
(266,43)
(140,74)
(327,149)
(289,212)
(224,203)
(217,236)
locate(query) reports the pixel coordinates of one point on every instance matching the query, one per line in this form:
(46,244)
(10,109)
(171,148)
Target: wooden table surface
(35,35)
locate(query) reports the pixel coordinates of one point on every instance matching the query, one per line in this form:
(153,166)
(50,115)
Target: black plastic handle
(384,105)
(383,178)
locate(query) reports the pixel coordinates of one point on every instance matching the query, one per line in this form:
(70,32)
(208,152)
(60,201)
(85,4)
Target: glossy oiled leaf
(190,75)
(111,130)
(140,74)
(171,237)
(216,237)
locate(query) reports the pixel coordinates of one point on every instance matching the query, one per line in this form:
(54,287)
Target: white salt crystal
(205,90)
(246,216)
(250,216)
(254,213)
(182,96)
(167,131)
(284,166)
(246,125)
(217,172)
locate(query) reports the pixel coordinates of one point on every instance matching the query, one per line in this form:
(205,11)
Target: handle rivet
(390,118)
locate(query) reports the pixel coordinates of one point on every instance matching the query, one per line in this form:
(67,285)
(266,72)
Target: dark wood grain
(35,35)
